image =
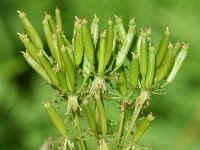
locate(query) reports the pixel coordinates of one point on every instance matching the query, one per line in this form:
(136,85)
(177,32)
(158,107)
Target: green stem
(144,95)
(80,141)
(121,125)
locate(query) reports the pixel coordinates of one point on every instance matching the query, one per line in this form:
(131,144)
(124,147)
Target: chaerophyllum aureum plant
(95,66)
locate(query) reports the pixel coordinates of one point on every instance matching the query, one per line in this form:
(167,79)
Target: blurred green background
(24,124)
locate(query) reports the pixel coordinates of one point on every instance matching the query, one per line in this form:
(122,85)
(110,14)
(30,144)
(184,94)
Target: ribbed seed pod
(55,118)
(78,45)
(138,44)
(178,62)
(49,70)
(89,115)
(30,30)
(162,71)
(48,36)
(109,42)
(95,30)
(39,69)
(51,23)
(62,80)
(176,49)
(142,127)
(56,49)
(120,29)
(121,56)
(122,83)
(58,19)
(87,41)
(102,55)
(134,70)
(151,68)
(143,58)
(162,48)
(69,68)
(30,47)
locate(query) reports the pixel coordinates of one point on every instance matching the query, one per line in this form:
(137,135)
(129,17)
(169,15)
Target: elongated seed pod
(62,80)
(124,49)
(68,67)
(78,45)
(114,39)
(49,70)
(102,55)
(58,19)
(56,49)
(39,69)
(143,58)
(162,48)
(142,127)
(51,23)
(122,83)
(48,36)
(151,68)
(120,29)
(109,42)
(87,41)
(95,30)
(89,115)
(134,70)
(59,38)
(30,30)
(67,42)
(30,47)
(176,49)
(149,36)
(101,113)
(138,44)
(55,118)
(178,62)
(162,71)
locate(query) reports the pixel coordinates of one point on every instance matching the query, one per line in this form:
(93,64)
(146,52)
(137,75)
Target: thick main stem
(144,95)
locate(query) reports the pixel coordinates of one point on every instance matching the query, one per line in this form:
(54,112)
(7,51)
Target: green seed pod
(122,83)
(67,42)
(162,48)
(142,127)
(151,68)
(138,44)
(114,39)
(176,49)
(45,64)
(30,47)
(89,115)
(58,19)
(87,41)
(51,23)
(36,67)
(59,39)
(48,35)
(30,30)
(78,45)
(109,42)
(143,58)
(121,56)
(69,67)
(62,80)
(162,71)
(103,145)
(102,51)
(178,62)
(149,36)
(95,30)
(134,70)
(101,113)
(120,29)
(56,49)
(55,118)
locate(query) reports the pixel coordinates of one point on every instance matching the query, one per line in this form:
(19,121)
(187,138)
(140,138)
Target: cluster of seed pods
(70,65)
